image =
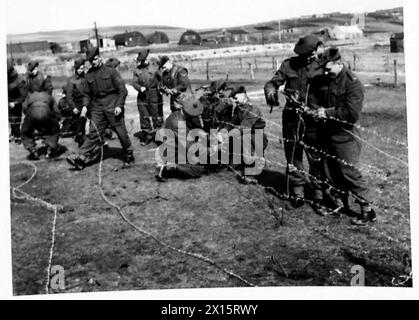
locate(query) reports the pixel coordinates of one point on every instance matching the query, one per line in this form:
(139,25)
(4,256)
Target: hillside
(63,36)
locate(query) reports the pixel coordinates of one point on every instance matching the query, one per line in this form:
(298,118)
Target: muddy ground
(241,227)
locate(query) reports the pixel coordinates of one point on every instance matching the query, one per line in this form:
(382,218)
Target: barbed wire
(50,206)
(148,234)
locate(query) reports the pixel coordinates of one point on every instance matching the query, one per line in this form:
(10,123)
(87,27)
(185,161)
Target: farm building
(345,32)
(397,42)
(157,37)
(28,46)
(105,44)
(190,37)
(130,39)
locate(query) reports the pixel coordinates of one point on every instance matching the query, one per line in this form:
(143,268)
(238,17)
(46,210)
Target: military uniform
(16,94)
(344,97)
(76,85)
(42,115)
(150,101)
(40,82)
(177,78)
(302,77)
(179,166)
(105,90)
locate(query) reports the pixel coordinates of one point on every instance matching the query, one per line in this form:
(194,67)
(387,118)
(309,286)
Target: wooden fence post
(395,72)
(207,70)
(256,64)
(252,74)
(354,62)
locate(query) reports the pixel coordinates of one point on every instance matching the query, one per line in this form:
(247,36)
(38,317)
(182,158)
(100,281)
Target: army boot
(33,155)
(318,203)
(77,162)
(367,216)
(128,158)
(297,196)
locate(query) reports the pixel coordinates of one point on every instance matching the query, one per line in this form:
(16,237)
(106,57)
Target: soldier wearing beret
(299,74)
(186,118)
(149,99)
(74,124)
(42,115)
(105,96)
(174,82)
(343,101)
(17,92)
(37,80)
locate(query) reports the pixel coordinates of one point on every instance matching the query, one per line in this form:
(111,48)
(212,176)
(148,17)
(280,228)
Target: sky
(26,16)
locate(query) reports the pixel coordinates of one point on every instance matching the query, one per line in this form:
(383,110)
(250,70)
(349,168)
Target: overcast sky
(23,16)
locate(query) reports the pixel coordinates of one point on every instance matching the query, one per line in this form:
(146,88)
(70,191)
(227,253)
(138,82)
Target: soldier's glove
(118,111)
(11,105)
(321,113)
(272,98)
(76,111)
(143,89)
(83,111)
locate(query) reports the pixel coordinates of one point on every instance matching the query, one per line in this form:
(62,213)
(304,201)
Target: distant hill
(63,36)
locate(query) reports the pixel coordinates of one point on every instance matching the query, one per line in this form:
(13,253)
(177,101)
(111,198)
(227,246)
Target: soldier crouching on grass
(105,95)
(172,154)
(42,115)
(343,101)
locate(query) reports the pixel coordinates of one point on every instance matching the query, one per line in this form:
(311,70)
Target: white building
(346,32)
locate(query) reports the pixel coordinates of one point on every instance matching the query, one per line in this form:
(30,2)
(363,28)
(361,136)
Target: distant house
(397,42)
(345,32)
(28,46)
(238,35)
(130,39)
(157,37)
(190,37)
(211,36)
(105,44)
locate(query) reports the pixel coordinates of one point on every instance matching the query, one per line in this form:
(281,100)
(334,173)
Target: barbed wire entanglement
(152,236)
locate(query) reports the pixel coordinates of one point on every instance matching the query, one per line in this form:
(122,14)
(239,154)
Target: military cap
(91,53)
(163,60)
(78,63)
(307,45)
(142,55)
(32,65)
(218,85)
(112,62)
(237,90)
(331,54)
(193,106)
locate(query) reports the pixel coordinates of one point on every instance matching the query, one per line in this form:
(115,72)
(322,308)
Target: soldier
(298,74)
(105,95)
(149,98)
(179,167)
(17,91)
(42,115)
(175,82)
(343,100)
(76,85)
(36,80)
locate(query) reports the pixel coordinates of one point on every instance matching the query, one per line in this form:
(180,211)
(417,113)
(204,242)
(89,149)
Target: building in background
(397,42)
(32,46)
(105,44)
(190,37)
(157,37)
(345,32)
(130,39)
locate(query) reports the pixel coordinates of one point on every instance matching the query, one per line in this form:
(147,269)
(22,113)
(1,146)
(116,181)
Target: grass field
(240,227)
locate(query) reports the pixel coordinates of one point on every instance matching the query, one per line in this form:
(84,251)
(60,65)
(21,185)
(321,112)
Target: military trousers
(15,119)
(296,130)
(347,177)
(47,127)
(100,118)
(150,108)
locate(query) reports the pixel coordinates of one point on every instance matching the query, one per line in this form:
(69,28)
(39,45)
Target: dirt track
(237,226)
